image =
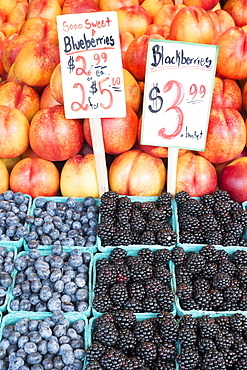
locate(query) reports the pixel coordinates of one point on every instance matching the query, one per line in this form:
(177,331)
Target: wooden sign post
(92,75)
(177,98)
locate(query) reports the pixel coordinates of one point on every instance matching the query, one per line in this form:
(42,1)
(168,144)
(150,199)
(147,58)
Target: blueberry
(71,332)
(21,353)
(12,348)
(41,307)
(15,362)
(66,298)
(57,222)
(9,267)
(82,306)
(73,234)
(50,206)
(93,222)
(56,261)
(64,339)
(32,276)
(45,330)
(70,288)
(10,232)
(8,195)
(45,293)
(37,212)
(36,285)
(47,363)
(71,202)
(77,343)
(47,227)
(42,347)
(59,286)
(19,198)
(46,240)
(25,305)
(4,343)
(53,346)
(75,261)
(89,201)
(54,304)
(20,263)
(92,239)
(54,234)
(80,240)
(26,287)
(82,295)
(13,336)
(14,305)
(79,353)
(34,367)
(67,307)
(43,272)
(58,363)
(83,268)
(59,330)
(57,248)
(3,292)
(4,205)
(2,353)
(68,214)
(76,215)
(48,218)
(92,231)
(38,221)
(79,326)
(68,242)
(81,280)
(56,275)
(34,299)
(33,325)
(12,221)
(89,244)
(68,357)
(30,347)
(22,326)
(65,279)
(34,254)
(71,273)
(34,358)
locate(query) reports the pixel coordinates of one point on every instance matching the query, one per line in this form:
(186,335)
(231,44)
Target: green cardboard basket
(45,252)
(61,200)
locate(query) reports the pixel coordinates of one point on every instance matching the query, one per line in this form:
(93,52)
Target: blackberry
(201,285)
(162,256)
(106,273)
(224,340)
(148,238)
(146,207)
(195,263)
(221,281)
(121,237)
(208,222)
(100,288)
(210,270)
(150,304)
(141,272)
(233,294)
(188,322)
(192,207)
(133,363)
(187,337)
(239,257)
(147,351)
(107,334)
(154,214)
(213,237)
(106,317)
(166,352)
(94,365)
(188,359)
(166,237)
(102,302)
(164,199)
(138,224)
(110,194)
(223,323)
(186,237)
(107,206)
(135,237)
(123,273)
(243,303)
(208,200)
(118,294)
(165,211)
(222,206)
(124,319)
(182,197)
(209,252)
(137,291)
(189,223)
(152,287)
(113,360)
(165,298)
(227,267)
(184,291)
(105,232)
(216,299)
(116,254)
(95,351)
(240,347)
(207,327)
(238,323)
(134,305)
(146,255)
(223,216)
(241,364)
(179,256)
(163,274)
(168,329)
(124,202)
(213,360)
(221,195)
(206,345)
(154,226)
(203,299)
(144,330)
(123,215)
(126,341)
(235,228)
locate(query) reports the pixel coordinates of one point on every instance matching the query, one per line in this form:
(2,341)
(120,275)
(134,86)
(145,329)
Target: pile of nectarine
(43,153)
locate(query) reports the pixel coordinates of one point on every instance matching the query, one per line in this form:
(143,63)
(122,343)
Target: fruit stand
(123,197)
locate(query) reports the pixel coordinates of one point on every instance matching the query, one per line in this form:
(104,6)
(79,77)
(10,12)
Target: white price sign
(178,92)
(91,65)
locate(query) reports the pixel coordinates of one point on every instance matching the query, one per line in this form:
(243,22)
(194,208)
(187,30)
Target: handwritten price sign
(178,94)
(91,65)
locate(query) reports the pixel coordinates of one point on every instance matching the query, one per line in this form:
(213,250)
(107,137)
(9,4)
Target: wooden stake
(178,2)
(172,170)
(99,154)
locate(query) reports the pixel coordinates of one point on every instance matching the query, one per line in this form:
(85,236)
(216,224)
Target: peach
(119,134)
(18,13)
(81,6)
(166,14)
(12,49)
(196,175)
(35,63)
(44,8)
(53,137)
(137,173)
(46,99)
(226,136)
(192,24)
(226,94)
(132,90)
(205,4)
(41,29)
(36,177)
(14,128)
(221,22)
(232,55)
(153,6)
(56,84)
(21,97)
(134,19)
(116,4)
(4,176)
(79,178)
(237,9)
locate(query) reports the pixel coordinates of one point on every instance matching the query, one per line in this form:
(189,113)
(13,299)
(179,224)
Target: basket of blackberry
(124,340)
(43,341)
(212,342)
(138,280)
(14,212)
(51,280)
(210,279)
(211,219)
(68,221)
(131,221)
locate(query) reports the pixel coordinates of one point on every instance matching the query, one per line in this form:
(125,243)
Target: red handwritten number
(75,106)
(178,99)
(97,57)
(80,71)
(102,91)
(202,91)
(194,91)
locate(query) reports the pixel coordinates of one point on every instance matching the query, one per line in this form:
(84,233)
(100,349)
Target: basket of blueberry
(43,341)
(138,280)
(67,221)
(7,257)
(132,221)
(53,279)
(14,211)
